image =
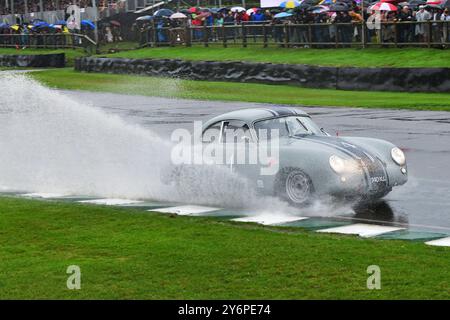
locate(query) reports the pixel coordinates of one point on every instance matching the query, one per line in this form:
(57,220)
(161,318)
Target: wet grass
(353,57)
(246,92)
(131,254)
(370,57)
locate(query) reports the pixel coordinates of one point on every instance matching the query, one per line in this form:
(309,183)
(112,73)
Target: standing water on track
(51,143)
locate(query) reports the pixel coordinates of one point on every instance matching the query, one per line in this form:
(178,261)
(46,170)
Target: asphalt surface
(423,203)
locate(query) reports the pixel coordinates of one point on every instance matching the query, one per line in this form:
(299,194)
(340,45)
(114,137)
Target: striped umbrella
(383,6)
(327,2)
(290,4)
(319,9)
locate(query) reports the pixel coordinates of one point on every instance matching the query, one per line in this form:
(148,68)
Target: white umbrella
(383,6)
(237,9)
(178,15)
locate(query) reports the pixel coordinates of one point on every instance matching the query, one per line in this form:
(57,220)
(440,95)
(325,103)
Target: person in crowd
(445,17)
(421,30)
(405,30)
(345,30)
(436,25)
(388,28)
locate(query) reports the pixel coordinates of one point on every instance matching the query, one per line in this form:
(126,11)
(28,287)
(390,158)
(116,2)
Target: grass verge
(130,254)
(371,57)
(247,92)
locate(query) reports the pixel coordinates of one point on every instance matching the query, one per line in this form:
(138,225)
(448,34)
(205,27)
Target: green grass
(374,57)
(126,253)
(247,92)
(370,57)
(71,54)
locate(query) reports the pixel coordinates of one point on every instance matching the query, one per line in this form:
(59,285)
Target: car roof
(254,114)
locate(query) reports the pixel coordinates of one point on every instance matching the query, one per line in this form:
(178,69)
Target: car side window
(212,133)
(235,131)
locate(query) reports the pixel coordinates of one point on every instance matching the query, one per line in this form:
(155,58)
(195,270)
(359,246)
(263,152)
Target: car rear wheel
(295,186)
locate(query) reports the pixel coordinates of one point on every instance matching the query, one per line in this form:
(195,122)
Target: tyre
(294,186)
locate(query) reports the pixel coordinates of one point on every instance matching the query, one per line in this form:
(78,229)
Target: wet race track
(423,203)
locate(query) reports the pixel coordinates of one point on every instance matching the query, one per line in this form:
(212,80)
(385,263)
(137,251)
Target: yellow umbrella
(290,4)
(15,27)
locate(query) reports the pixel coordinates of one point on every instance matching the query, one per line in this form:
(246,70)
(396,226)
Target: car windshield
(286,127)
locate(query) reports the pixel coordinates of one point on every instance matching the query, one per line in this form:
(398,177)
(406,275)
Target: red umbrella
(193,10)
(383,6)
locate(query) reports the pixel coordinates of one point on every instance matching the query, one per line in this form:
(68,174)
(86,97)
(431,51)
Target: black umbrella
(311,2)
(303,6)
(339,7)
(416,3)
(163,13)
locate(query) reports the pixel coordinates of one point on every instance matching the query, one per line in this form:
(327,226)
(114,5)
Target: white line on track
(443,242)
(270,219)
(186,210)
(111,202)
(361,229)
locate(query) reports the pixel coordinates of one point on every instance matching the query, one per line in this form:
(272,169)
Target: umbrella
(319,9)
(88,23)
(327,2)
(178,15)
(415,3)
(61,22)
(338,7)
(282,15)
(237,9)
(203,15)
(192,10)
(303,6)
(41,25)
(289,4)
(115,23)
(4,25)
(383,6)
(144,18)
(252,10)
(163,13)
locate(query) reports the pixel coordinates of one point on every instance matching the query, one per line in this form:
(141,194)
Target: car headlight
(340,165)
(398,156)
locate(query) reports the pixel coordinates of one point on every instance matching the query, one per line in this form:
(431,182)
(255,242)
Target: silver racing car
(309,162)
